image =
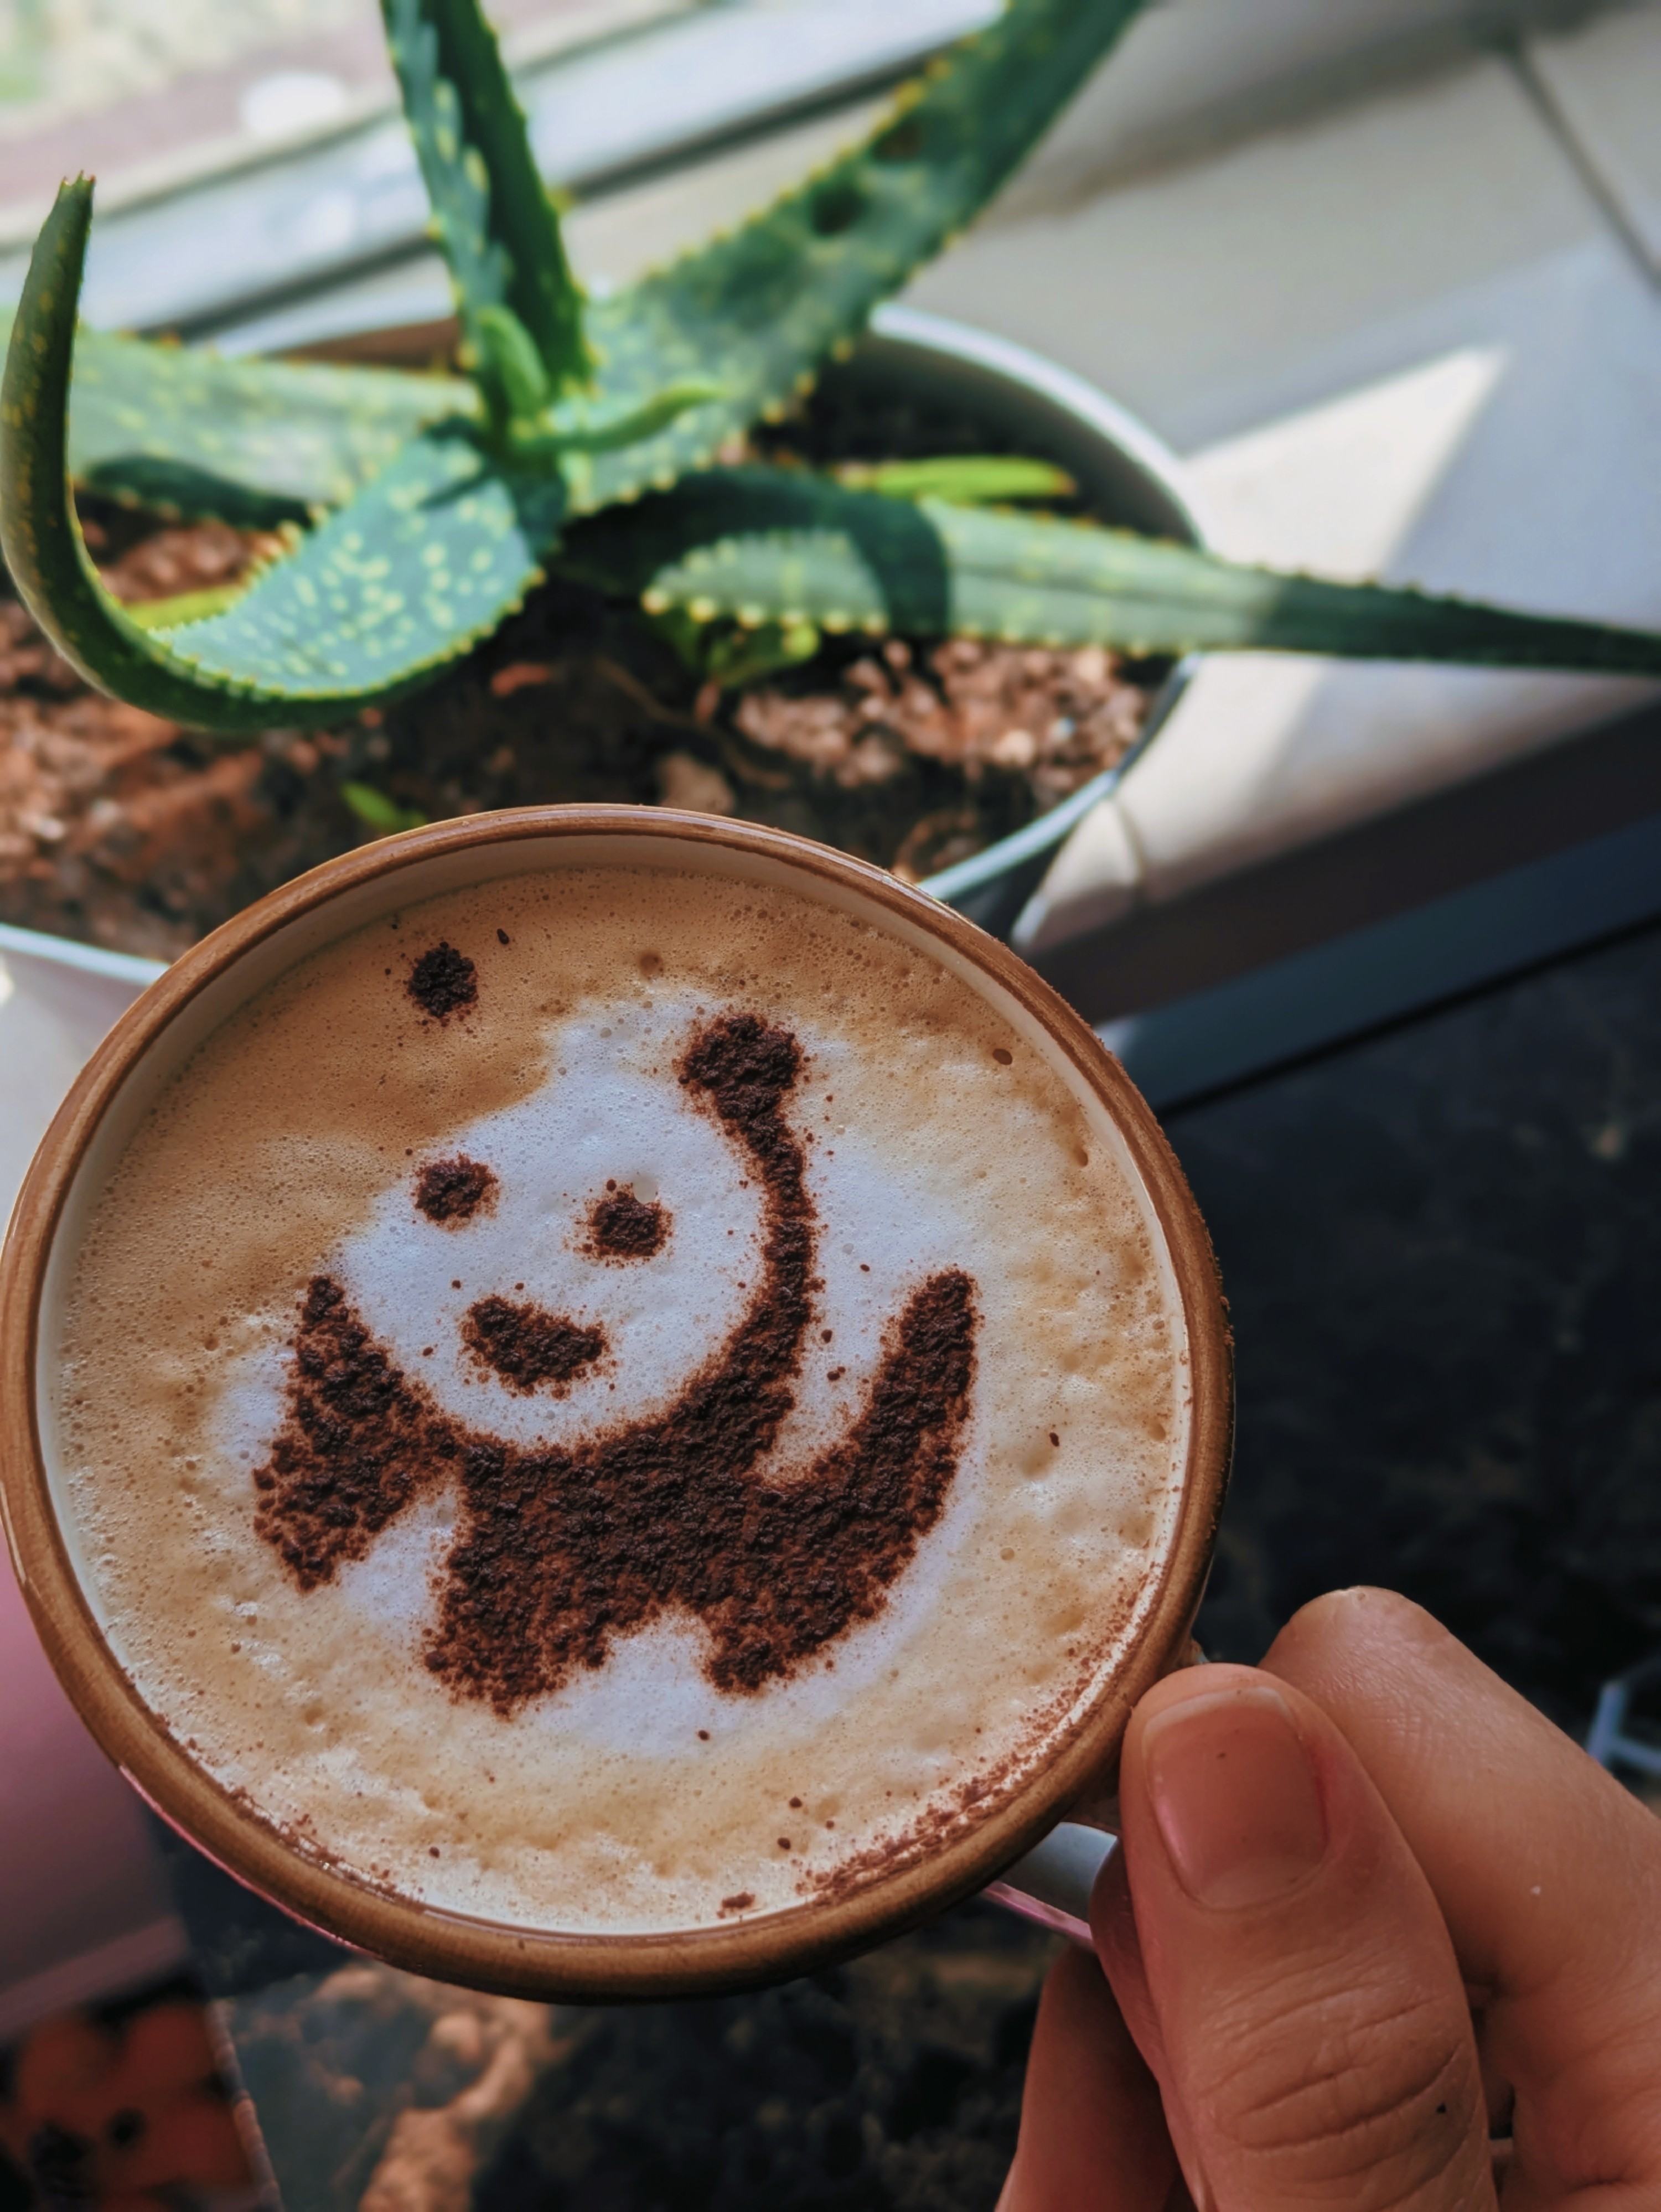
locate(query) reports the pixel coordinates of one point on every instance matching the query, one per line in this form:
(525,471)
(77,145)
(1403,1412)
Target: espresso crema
(617,1400)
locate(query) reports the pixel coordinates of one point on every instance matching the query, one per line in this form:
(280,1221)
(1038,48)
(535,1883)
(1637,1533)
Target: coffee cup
(606,1403)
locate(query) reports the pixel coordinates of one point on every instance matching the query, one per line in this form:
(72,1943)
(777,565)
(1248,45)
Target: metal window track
(1368,978)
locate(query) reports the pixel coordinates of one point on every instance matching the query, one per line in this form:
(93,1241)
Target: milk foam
(638,1795)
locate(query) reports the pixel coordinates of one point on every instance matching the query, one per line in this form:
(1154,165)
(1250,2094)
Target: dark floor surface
(1443,1252)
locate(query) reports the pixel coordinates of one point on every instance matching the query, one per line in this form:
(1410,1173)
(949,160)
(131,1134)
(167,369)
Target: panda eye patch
(450,1192)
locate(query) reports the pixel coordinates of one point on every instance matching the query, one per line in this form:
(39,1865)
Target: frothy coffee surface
(617,1400)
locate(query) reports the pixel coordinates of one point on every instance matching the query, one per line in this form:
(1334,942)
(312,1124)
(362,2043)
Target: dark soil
(122,829)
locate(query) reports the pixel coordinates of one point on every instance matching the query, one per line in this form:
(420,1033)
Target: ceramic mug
(143,1053)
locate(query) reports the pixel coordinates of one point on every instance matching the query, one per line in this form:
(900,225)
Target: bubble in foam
(315,1111)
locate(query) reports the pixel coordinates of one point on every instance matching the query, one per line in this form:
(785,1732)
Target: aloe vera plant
(583,435)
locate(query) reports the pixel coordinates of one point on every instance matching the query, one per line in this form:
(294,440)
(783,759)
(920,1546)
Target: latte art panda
(653,1429)
(561,1549)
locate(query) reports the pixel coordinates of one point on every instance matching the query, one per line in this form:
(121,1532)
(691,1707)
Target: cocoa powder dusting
(527,1347)
(560,1549)
(356,1446)
(443,980)
(623,1227)
(451,1192)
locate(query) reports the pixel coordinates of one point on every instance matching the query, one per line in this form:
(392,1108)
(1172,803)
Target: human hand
(1370,1911)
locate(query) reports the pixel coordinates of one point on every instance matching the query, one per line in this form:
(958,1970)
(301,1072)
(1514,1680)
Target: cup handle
(1051,1885)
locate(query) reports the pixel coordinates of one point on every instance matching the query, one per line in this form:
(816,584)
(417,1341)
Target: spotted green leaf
(427,559)
(492,217)
(765,547)
(187,606)
(757,311)
(189,433)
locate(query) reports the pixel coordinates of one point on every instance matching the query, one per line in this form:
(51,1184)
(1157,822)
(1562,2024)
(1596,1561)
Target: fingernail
(1235,1797)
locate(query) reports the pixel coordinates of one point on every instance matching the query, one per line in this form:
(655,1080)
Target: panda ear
(452,1191)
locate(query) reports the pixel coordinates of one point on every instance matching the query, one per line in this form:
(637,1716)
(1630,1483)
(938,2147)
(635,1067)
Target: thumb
(1289,1976)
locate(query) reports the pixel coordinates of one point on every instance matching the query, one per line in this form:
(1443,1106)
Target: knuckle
(1372,2097)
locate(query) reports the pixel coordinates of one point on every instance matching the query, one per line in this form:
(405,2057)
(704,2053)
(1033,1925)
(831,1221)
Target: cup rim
(524,1961)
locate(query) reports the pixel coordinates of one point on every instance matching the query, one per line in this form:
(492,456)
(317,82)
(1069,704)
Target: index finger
(1547,1872)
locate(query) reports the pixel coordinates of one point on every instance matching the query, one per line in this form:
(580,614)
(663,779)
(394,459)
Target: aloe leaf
(185,607)
(492,214)
(563,438)
(773,546)
(376,811)
(255,443)
(510,364)
(758,311)
(963,479)
(738,656)
(423,561)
